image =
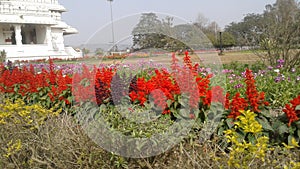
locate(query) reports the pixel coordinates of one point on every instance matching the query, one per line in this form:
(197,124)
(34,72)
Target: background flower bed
(52,89)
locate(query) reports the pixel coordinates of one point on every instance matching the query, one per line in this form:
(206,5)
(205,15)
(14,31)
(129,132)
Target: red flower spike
(254,98)
(291,112)
(236,105)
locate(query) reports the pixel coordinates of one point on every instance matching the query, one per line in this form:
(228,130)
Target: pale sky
(91,15)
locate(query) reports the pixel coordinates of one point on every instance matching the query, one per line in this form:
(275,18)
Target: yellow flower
(295,165)
(18,112)
(13,148)
(292,144)
(248,123)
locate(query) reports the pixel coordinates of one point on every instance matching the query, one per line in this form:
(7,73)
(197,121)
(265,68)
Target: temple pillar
(48,36)
(18,35)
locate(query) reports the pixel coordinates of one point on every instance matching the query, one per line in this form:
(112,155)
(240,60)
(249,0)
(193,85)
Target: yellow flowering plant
(29,116)
(13,147)
(19,127)
(247,143)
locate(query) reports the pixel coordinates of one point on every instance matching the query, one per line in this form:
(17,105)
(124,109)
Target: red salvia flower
(236,105)
(291,112)
(103,84)
(254,98)
(26,82)
(84,85)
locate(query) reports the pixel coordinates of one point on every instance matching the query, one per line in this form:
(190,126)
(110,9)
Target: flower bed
(245,108)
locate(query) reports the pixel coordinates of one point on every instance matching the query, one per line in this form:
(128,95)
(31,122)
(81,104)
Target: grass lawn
(243,57)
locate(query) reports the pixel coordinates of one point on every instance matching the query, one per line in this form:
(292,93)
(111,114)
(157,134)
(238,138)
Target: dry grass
(61,143)
(242,57)
(228,57)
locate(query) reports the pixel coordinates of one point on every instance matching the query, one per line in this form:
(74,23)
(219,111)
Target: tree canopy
(276,32)
(151,32)
(274,35)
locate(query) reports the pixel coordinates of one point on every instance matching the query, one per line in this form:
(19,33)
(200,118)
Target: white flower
(276,70)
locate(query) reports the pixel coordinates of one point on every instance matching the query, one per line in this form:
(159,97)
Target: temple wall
(36,1)
(32,29)
(57,39)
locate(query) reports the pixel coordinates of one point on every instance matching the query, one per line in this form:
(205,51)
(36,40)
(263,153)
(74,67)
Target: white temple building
(33,29)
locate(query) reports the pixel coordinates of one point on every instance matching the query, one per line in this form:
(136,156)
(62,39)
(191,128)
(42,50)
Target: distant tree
(85,51)
(236,29)
(280,35)
(228,39)
(212,30)
(201,21)
(245,32)
(145,33)
(276,32)
(99,51)
(151,32)
(191,36)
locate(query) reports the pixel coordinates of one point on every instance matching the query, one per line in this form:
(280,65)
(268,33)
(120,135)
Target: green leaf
(251,139)
(229,122)
(210,115)
(34,97)
(41,93)
(48,103)
(221,131)
(175,104)
(297,124)
(292,129)
(290,137)
(297,107)
(265,123)
(266,113)
(102,108)
(182,102)
(169,102)
(184,113)
(16,89)
(283,129)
